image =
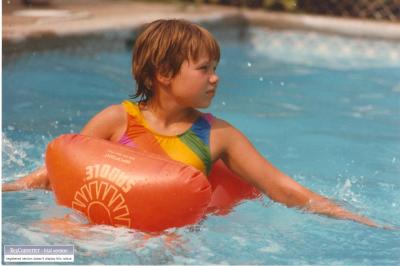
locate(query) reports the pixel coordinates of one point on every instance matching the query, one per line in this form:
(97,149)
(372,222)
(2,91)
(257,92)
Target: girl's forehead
(202,56)
(202,60)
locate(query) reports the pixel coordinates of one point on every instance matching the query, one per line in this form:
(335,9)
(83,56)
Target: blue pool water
(324,109)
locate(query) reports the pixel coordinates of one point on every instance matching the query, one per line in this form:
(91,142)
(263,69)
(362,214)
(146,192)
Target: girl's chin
(203,105)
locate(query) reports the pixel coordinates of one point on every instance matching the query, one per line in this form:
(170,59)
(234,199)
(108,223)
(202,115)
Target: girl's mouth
(211,92)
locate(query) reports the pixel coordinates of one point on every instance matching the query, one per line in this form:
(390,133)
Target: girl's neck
(167,113)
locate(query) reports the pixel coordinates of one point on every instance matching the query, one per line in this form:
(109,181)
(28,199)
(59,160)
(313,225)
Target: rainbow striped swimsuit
(191,147)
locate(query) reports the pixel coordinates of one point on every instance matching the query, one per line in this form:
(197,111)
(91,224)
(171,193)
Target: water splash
(14,151)
(344,192)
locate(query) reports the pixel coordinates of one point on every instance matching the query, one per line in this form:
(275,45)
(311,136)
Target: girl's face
(196,83)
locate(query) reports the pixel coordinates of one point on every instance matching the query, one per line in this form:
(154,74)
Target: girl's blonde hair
(163,46)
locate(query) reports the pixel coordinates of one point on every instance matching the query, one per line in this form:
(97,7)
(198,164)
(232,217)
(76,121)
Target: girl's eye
(208,68)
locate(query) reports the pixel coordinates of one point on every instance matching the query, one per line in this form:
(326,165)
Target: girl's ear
(164,79)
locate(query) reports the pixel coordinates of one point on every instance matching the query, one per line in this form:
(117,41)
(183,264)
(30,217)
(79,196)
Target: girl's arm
(243,159)
(36,180)
(108,124)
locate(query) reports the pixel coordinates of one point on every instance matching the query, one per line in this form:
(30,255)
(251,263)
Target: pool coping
(352,27)
(95,19)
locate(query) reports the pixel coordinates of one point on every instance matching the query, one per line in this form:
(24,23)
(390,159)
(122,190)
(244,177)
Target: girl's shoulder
(223,130)
(114,112)
(107,123)
(217,123)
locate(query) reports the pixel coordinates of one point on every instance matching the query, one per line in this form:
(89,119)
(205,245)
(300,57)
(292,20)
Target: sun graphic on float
(103,203)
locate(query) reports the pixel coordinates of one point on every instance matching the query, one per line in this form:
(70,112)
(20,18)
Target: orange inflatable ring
(228,190)
(117,185)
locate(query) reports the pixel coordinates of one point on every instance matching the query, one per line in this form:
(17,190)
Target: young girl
(174,63)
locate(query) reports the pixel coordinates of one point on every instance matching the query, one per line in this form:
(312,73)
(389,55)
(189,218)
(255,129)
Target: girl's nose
(214,78)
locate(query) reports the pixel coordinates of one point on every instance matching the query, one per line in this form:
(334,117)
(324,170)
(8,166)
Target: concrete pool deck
(74,18)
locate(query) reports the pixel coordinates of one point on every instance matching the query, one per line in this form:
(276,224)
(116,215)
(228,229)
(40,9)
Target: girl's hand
(14,186)
(321,205)
(364,220)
